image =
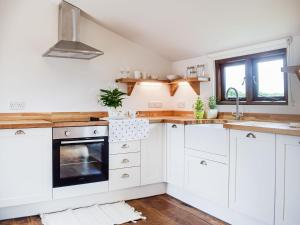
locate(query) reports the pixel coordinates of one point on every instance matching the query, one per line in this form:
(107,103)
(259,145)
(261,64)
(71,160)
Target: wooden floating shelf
(292,69)
(173,85)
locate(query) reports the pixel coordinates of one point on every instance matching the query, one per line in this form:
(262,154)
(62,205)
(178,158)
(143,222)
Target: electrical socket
(17,105)
(181,105)
(155,104)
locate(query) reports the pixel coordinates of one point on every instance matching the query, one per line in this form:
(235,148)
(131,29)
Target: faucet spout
(237,110)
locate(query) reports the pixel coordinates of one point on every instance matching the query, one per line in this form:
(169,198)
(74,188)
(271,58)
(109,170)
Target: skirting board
(204,205)
(58,205)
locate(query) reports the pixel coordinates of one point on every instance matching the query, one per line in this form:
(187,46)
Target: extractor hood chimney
(69,45)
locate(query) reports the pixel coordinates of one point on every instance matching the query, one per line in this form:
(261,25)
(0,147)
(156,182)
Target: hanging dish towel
(128,130)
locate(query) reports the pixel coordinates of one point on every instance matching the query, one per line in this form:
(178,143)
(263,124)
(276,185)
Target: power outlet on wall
(17,105)
(155,104)
(181,105)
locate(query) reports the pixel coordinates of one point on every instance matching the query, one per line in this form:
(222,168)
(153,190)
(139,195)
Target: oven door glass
(80,161)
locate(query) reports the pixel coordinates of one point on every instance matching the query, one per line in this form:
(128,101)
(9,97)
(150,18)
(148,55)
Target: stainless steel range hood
(69,45)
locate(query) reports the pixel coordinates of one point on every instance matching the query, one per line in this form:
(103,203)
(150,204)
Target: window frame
(250,62)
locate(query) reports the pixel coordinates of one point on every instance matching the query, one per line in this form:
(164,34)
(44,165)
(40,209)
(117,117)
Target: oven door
(80,161)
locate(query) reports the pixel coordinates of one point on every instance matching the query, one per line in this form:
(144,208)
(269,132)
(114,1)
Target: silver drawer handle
(250,135)
(174,126)
(125,161)
(125,146)
(125,175)
(20,132)
(203,163)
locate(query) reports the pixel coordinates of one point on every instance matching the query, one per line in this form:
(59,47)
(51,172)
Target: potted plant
(199,109)
(212,112)
(112,99)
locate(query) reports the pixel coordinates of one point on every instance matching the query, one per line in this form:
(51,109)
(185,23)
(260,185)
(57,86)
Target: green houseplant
(112,99)
(212,112)
(199,109)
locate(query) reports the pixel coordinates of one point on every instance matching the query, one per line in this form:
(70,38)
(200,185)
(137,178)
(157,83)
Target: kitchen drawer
(207,179)
(124,147)
(120,161)
(124,178)
(208,138)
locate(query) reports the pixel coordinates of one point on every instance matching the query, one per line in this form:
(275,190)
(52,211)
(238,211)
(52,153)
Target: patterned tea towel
(128,130)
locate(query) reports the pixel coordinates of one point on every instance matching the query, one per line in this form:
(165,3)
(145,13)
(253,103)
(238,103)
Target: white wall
(28,28)
(208,89)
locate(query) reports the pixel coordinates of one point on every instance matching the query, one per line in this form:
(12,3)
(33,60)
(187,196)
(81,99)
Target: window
(257,78)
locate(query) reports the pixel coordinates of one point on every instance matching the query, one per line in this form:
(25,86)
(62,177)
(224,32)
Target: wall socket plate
(181,105)
(17,105)
(155,104)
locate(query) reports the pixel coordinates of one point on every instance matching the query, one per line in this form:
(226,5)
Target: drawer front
(124,160)
(207,179)
(124,147)
(203,138)
(124,178)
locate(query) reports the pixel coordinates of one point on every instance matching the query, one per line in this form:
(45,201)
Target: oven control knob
(67,133)
(95,132)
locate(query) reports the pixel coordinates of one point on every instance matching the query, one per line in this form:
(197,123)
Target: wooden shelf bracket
(292,69)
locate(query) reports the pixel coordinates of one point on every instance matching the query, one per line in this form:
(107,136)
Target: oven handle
(82,141)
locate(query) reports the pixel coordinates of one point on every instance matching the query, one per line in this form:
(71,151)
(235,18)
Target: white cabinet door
(25,166)
(152,152)
(252,174)
(175,154)
(207,179)
(208,138)
(288,180)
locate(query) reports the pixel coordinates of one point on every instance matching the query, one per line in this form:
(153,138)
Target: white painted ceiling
(180,29)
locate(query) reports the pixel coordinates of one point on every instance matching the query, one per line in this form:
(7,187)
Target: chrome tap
(237,112)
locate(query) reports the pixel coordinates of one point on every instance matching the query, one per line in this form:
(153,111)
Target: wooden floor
(159,210)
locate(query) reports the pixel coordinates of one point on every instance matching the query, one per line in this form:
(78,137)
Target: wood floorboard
(159,210)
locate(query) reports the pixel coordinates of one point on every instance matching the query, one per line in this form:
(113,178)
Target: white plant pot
(114,113)
(212,114)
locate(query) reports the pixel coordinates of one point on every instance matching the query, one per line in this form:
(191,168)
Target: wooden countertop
(258,126)
(268,127)
(19,124)
(185,120)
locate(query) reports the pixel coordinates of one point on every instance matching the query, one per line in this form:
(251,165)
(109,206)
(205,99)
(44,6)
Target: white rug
(108,214)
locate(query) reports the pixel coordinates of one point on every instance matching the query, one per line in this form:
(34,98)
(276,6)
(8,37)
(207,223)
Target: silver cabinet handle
(250,135)
(125,175)
(125,161)
(203,163)
(125,146)
(174,126)
(20,132)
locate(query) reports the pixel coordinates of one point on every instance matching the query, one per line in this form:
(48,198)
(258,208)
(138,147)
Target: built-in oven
(80,155)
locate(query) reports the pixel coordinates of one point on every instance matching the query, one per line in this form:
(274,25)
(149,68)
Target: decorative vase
(113,113)
(212,113)
(199,115)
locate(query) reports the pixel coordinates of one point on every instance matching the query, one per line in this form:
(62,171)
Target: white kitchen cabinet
(124,178)
(206,178)
(25,166)
(127,160)
(252,174)
(287,180)
(152,155)
(124,147)
(208,138)
(175,154)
